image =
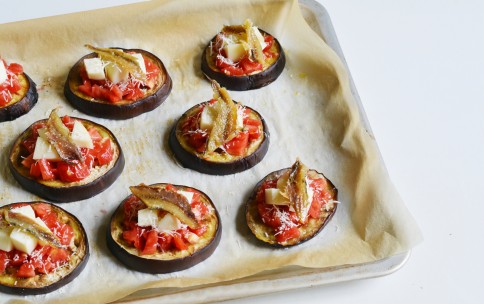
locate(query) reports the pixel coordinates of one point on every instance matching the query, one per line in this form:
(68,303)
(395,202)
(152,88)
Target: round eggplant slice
(219,162)
(251,81)
(77,250)
(100,178)
(307,231)
(170,260)
(123,109)
(23,101)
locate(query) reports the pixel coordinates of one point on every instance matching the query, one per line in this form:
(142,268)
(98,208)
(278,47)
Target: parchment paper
(310,112)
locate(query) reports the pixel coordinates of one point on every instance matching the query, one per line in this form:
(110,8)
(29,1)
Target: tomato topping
(41,209)
(68,122)
(26,270)
(178,242)
(151,243)
(233,71)
(15,68)
(72,173)
(12,84)
(165,241)
(286,234)
(249,66)
(133,237)
(65,233)
(104,151)
(58,255)
(238,144)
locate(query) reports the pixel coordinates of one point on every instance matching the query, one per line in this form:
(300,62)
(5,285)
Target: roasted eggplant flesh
(40,283)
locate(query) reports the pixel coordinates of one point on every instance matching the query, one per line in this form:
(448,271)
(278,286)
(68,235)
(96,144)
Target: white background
(419,69)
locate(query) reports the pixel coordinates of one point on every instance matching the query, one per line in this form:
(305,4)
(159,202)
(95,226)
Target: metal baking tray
(290,277)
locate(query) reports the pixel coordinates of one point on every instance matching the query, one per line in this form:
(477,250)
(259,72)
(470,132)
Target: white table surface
(419,69)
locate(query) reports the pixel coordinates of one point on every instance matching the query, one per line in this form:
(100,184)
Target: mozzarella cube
(235,51)
(24,210)
(80,136)
(44,150)
(259,36)
(273,197)
(187,194)
(115,73)
(209,114)
(41,223)
(141,61)
(147,218)
(3,72)
(168,223)
(94,68)
(5,241)
(240,118)
(23,241)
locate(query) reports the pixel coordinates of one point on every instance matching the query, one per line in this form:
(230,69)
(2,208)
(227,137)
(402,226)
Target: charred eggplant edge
(23,106)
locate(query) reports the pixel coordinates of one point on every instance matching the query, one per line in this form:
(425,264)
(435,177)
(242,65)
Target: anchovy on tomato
(117,83)
(291,206)
(243,57)
(42,248)
(18,92)
(65,159)
(164,228)
(220,136)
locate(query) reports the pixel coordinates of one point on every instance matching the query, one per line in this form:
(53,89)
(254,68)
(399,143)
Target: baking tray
(290,277)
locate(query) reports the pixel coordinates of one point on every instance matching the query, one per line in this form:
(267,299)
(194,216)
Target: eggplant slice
(307,231)
(58,191)
(169,261)
(23,101)
(45,283)
(253,81)
(123,109)
(192,159)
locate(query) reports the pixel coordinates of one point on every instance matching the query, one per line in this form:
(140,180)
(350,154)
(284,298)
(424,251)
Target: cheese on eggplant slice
(94,68)
(115,73)
(169,223)
(259,36)
(141,61)
(273,197)
(235,52)
(187,194)
(44,150)
(24,210)
(209,114)
(5,241)
(80,136)
(148,218)
(3,72)
(23,241)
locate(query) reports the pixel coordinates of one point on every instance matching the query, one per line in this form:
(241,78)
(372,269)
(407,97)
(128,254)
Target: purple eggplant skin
(22,106)
(190,160)
(64,192)
(84,257)
(157,266)
(265,233)
(245,82)
(119,110)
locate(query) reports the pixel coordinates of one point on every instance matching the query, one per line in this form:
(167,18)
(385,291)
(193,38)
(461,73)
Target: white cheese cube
(40,222)
(141,61)
(5,241)
(24,210)
(273,197)
(3,72)
(168,223)
(209,114)
(259,36)
(115,73)
(235,52)
(240,118)
(94,68)
(147,218)
(80,136)
(23,241)
(187,194)
(43,149)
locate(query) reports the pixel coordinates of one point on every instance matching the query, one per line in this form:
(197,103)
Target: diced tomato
(179,242)
(26,270)
(46,169)
(114,94)
(35,128)
(50,219)
(133,237)
(41,209)
(35,170)
(57,255)
(170,187)
(165,241)
(200,206)
(3,261)
(133,91)
(315,208)
(252,122)
(286,234)
(105,152)
(72,173)
(14,85)
(94,133)
(238,144)
(222,63)
(5,97)
(151,243)
(197,140)
(29,144)
(28,161)
(199,231)
(269,40)
(65,233)
(254,132)
(68,122)
(85,88)
(250,66)
(17,257)
(233,71)
(15,68)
